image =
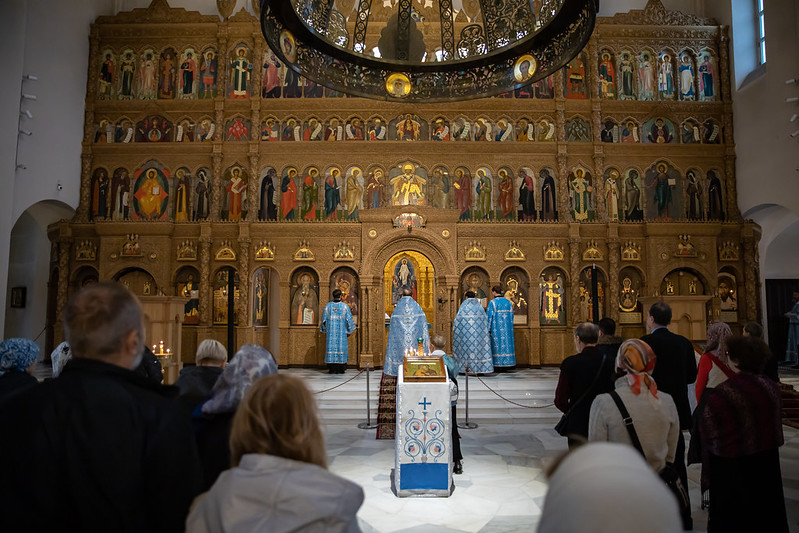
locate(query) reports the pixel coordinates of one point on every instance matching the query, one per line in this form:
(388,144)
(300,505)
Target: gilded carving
(225,252)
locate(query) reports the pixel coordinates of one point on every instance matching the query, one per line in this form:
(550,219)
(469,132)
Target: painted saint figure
(305,303)
(268,208)
(188,71)
(694,192)
(612,195)
(526,196)
(374,188)
(120,191)
(354,193)
(505,198)
(181,195)
(463,193)
(337,323)
(626,75)
(553,305)
(288,197)
(548,204)
(202,191)
(310,194)
(236,189)
(208,75)
(607,77)
(633,211)
(100,194)
(662,191)
(483,193)
(707,89)
(240,69)
(581,195)
(686,70)
(666,78)
(127,68)
(332,193)
(715,209)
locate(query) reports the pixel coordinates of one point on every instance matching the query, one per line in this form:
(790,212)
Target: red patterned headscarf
(637,359)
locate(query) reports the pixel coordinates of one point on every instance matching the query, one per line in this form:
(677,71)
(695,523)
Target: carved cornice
(656,15)
(158,11)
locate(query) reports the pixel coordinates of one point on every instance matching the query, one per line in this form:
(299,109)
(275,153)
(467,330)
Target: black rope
(509,401)
(340,384)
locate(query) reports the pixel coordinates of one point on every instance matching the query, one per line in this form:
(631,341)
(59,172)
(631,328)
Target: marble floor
(503,484)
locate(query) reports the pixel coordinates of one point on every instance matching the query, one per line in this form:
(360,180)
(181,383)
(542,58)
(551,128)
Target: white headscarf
(605,487)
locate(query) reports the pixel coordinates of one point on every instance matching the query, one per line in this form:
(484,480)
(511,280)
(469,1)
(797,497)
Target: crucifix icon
(424,403)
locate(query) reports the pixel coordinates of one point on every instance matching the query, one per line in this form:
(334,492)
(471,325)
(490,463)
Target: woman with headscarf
(603,487)
(17,359)
(653,412)
(279,480)
(738,427)
(713,367)
(212,419)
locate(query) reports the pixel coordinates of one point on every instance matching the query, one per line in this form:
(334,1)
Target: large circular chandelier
(413,51)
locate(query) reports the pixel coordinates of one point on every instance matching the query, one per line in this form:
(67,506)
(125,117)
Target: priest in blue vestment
(470,345)
(408,325)
(500,323)
(337,323)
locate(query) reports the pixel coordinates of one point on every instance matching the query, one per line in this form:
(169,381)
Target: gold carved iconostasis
(205,158)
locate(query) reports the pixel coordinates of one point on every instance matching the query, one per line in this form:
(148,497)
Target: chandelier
(413,51)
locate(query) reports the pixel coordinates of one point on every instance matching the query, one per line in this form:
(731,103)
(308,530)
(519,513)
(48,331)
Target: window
(761,32)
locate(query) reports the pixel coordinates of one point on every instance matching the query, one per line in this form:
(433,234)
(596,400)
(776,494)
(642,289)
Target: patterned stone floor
(503,485)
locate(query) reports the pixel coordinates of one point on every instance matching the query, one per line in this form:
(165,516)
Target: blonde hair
(211,350)
(278,417)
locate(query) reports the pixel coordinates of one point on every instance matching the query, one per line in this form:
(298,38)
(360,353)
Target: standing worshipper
(212,420)
(438,342)
(676,369)
(408,325)
(17,360)
(792,349)
(337,323)
(739,426)
(500,324)
(582,377)
(196,382)
(471,344)
(98,433)
(714,366)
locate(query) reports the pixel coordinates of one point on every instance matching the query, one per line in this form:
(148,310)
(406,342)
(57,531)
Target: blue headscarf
(249,364)
(17,354)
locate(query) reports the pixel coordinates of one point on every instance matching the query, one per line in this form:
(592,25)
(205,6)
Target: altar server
(408,325)
(470,344)
(500,323)
(337,323)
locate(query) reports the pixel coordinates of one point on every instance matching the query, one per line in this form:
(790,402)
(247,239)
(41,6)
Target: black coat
(195,384)
(675,368)
(100,448)
(212,432)
(13,382)
(577,374)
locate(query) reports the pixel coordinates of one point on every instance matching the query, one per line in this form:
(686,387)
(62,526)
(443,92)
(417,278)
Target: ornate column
(724,65)
(64,248)
(749,245)
(592,69)
(575,245)
(560,181)
(222,62)
(216,183)
(612,285)
(206,290)
(733,212)
(600,209)
(243,308)
(253,200)
(84,203)
(257,66)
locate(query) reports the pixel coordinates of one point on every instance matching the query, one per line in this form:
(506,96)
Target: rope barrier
(510,401)
(340,384)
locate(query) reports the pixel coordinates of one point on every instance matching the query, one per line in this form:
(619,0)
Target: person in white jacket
(279,481)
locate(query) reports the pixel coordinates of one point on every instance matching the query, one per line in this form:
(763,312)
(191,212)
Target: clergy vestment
(408,325)
(500,324)
(470,343)
(337,323)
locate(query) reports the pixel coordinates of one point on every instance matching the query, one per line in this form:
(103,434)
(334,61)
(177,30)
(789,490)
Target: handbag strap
(628,422)
(590,387)
(718,362)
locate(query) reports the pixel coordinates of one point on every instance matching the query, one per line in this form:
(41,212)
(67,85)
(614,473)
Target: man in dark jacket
(105,448)
(195,382)
(608,342)
(674,371)
(582,378)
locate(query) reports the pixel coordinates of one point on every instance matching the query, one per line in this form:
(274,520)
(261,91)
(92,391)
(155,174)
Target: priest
(337,323)
(470,344)
(408,325)
(500,324)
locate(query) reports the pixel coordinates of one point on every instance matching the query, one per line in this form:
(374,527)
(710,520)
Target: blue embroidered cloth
(500,323)
(470,343)
(408,324)
(337,323)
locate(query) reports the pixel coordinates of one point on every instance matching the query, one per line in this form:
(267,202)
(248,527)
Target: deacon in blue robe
(470,344)
(500,323)
(337,323)
(408,325)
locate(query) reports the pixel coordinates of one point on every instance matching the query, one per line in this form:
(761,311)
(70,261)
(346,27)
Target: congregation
(237,447)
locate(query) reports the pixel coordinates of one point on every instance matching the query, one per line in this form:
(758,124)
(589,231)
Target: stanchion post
(368,424)
(467,424)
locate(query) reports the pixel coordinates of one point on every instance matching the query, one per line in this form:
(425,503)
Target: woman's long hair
(278,416)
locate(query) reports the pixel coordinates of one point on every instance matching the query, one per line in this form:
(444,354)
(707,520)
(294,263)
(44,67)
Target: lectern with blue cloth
(423,445)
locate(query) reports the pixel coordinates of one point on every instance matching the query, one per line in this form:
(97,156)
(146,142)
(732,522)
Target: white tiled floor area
(503,485)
